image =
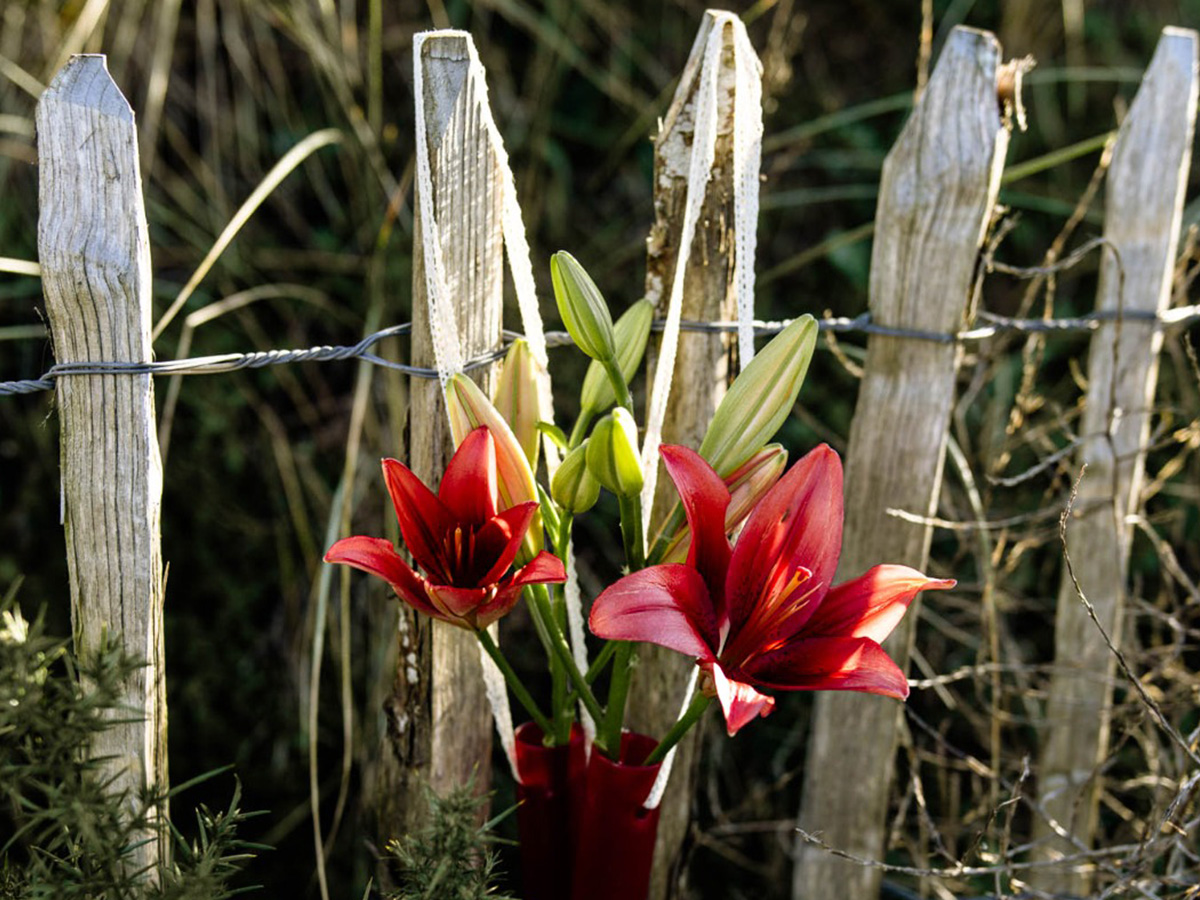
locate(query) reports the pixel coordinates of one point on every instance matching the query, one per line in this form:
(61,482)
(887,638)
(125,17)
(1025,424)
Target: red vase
(550,793)
(616,840)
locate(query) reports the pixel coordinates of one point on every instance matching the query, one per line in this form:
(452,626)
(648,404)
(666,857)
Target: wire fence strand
(992,326)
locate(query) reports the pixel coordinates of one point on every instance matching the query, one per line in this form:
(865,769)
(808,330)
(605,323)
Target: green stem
(540,608)
(618,692)
(613,370)
(623,660)
(689,718)
(563,702)
(514,683)
(601,660)
(631,532)
(581,426)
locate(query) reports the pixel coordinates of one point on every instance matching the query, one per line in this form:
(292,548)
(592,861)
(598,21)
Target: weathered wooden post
(439,727)
(95,256)
(1146,185)
(938,188)
(703,368)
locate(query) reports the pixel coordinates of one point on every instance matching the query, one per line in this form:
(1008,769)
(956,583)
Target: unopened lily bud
(747,485)
(573,487)
(612,454)
(631,333)
(470,408)
(582,307)
(751,480)
(760,398)
(516,398)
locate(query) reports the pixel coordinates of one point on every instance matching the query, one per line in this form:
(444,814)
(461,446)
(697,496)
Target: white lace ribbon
(747,152)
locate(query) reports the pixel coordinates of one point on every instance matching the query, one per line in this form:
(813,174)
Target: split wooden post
(703,368)
(938,189)
(1146,185)
(95,255)
(439,727)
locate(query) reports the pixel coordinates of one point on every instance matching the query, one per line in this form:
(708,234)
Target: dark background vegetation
(576,88)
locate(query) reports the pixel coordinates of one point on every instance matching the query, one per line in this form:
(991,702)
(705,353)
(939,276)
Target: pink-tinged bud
(516,398)
(469,408)
(760,398)
(747,485)
(751,480)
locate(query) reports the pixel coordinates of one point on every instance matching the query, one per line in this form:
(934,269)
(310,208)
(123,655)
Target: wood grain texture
(439,724)
(95,255)
(703,367)
(1145,193)
(938,189)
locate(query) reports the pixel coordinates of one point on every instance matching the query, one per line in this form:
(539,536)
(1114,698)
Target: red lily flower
(464,545)
(763,614)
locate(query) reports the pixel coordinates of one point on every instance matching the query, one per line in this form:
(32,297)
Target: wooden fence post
(95,255)
(703,367)
(938,188)
(1146,185)
(439,723)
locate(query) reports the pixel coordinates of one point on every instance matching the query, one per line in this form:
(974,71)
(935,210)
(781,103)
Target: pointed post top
(84,81)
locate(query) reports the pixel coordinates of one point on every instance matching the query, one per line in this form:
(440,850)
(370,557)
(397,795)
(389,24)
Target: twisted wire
(993,326)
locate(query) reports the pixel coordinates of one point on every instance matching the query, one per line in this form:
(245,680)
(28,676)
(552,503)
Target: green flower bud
(516,398)
(631,333)
(573,487)
(760,398)
(612,454)
(583,310)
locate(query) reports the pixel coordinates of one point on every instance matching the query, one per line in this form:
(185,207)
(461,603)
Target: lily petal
(872,604)
(705,501)
(831,664)
(542,569)
(377,556)
(797,525)
(468,487)
(666,605)
(740,702)
(459,605)
(500,539)
(424,519)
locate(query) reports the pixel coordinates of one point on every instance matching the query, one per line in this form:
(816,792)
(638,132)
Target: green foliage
(72,835)
(450,858)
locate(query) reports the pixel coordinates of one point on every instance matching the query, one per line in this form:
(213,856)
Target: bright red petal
(379,557)
(543,568)
(499,540)
(829,664)
(705,500)
(666,605)
(872,604)
(468,487)
(740,702)
(797,524)
(457,605)
(424,520)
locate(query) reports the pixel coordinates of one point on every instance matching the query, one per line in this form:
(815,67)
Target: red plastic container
(550,793)
(616,840)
